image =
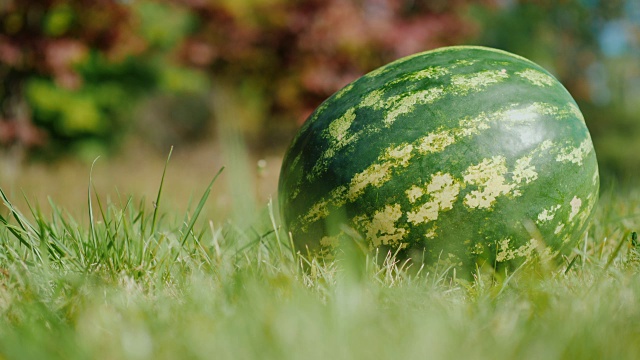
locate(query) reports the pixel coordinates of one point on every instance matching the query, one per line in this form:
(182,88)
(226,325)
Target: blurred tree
(284,57)
(74,70)
(41,45)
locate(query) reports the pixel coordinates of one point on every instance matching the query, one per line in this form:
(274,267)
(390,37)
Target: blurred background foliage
(81,77)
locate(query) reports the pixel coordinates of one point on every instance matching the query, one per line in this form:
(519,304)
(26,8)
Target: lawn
(127,280)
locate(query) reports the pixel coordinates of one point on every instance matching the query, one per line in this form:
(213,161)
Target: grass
(131,282)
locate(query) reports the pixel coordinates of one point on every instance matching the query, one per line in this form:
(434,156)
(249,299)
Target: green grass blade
(25,232)
(196,214)
(156,206)
(92,226)
(615,252)
(276,229)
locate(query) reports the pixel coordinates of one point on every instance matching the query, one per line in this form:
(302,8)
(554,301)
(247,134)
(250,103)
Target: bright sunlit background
(227,82)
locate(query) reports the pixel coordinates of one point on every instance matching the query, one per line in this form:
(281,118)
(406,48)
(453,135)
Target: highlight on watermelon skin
(462,156)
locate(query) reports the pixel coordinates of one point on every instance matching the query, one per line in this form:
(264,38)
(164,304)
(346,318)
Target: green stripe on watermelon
(444,152)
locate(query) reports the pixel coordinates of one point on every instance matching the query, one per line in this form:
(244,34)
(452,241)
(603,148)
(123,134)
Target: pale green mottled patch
(489,177)
(576,111)
(296,161)
(548,109)
(544,146)
(414,193)
(474,125)
(404,104)
(465,83)
(558,229)
(296,191)
(575,155)
(375,175)
(506,252)
(532,111)
(436,141)
(338,130)
(432,72)
(431,233)
(330,242)
(344,90)
(547,252)
(338,136)
(319,210)
(379,173)
(536,77)
(575,203)
(382,228)
(560,113)
(524,171)
(294,164)
(477,249)
(464,62)
(372,99)
(400,155)
(443,190)
(547,215)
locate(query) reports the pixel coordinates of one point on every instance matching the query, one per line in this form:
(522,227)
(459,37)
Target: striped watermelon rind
(460,155)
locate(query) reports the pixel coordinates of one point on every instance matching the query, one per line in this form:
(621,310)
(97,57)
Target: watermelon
(461,156)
